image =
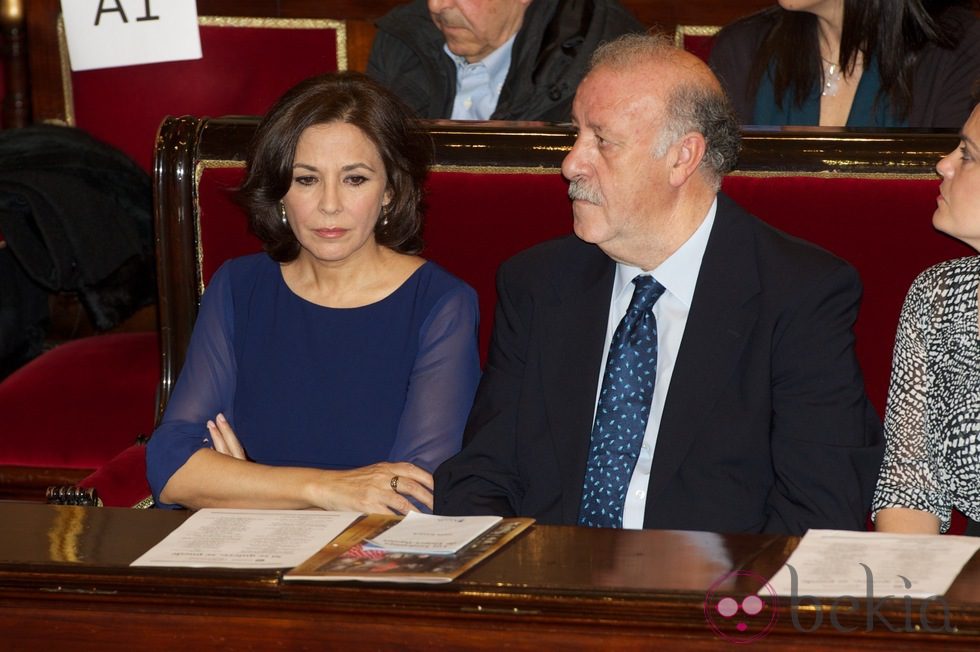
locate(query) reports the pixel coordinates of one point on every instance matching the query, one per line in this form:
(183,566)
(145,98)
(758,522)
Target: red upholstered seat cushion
(699,45)
(242,72)
(476,220)
(881,226)
(224,226)
(121,482)
(81,403)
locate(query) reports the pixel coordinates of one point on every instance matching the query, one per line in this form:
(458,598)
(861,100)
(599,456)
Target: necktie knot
(645,294)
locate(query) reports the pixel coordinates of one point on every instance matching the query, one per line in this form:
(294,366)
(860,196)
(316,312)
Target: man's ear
(688,153)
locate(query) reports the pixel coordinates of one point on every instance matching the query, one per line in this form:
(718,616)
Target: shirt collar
(497,62)
(679,273)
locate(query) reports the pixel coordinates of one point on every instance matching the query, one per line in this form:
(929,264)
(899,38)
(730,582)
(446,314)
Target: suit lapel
(722,316)
(571,356)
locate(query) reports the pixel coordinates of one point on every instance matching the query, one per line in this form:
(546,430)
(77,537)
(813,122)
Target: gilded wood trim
(899,176)
(339,26)
(494,169)
(66,87)
(693,30)
(146,503)
(199,169)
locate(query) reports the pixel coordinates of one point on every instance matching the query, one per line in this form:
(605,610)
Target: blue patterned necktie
(623,408)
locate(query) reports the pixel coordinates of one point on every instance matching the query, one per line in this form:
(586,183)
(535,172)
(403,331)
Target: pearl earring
(282,214)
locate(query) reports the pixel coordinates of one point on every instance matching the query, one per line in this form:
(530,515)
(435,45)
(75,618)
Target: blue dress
(331,388)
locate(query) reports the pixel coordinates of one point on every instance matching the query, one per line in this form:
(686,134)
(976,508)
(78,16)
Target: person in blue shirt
(855,63)
(335,370)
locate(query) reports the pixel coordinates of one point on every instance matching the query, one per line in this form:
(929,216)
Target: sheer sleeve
(204,388)
(442,383)
(910,474)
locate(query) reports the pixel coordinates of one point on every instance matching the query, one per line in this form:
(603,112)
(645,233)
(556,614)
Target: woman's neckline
(378,302)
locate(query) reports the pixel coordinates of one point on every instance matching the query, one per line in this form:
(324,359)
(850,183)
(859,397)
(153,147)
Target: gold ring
(394,483)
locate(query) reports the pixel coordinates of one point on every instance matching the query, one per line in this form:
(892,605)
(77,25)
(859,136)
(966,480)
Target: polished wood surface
(30,482)
(65,582)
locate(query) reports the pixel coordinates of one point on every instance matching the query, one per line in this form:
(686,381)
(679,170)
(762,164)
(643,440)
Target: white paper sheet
(110,33)
(434,535)
(833,563)
(247,538)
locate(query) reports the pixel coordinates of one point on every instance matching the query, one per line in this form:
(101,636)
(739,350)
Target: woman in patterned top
(932,421)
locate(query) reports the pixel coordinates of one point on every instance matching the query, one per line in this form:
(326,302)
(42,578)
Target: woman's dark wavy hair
(352,98)
(892,31)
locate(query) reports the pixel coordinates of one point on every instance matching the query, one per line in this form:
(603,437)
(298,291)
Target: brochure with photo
(351,558)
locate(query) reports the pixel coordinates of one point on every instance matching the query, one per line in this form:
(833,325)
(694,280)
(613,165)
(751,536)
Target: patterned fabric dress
(932,421)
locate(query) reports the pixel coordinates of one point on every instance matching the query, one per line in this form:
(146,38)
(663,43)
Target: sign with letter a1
(112,33)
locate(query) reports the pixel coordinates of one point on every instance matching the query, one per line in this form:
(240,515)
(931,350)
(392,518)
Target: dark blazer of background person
(550,55)
(766,426)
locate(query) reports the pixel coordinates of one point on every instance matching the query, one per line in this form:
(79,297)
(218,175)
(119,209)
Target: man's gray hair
(690,106)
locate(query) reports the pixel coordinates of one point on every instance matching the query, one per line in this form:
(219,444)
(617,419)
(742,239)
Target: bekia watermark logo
(742,607)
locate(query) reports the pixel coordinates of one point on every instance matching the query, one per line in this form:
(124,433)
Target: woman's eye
(355,180)
(964,154)
(305,180)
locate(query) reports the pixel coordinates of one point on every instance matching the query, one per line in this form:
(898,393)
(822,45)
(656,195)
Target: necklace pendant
(831,80)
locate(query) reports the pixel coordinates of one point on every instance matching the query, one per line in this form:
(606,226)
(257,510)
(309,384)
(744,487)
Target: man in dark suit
(756,419)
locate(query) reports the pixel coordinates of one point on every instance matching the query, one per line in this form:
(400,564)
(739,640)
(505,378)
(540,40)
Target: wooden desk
(65,583)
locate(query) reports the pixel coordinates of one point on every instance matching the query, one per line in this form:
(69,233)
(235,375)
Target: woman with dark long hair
(337,368)
(856,63)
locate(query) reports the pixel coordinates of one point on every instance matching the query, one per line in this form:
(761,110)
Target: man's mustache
(579,190)
(451,19)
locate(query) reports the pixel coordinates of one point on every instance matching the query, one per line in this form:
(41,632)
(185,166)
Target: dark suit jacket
(766,425)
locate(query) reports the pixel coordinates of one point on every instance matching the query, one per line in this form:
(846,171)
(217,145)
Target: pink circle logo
(741,607)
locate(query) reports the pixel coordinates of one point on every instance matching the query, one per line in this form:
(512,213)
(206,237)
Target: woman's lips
(330,234)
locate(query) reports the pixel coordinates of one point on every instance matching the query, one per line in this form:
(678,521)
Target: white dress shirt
(679,276)
(478,85)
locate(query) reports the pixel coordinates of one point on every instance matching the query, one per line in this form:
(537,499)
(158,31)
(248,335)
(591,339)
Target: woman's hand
(224,439)
(377,489)
(380,488)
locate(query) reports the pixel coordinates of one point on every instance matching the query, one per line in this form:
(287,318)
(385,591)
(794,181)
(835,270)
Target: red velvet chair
(247,64)
(696,39)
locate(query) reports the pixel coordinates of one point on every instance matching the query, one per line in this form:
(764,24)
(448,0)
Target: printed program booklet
(350,557)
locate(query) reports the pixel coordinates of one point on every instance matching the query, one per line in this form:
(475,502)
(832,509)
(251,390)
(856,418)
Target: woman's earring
(282,214)
(385,209)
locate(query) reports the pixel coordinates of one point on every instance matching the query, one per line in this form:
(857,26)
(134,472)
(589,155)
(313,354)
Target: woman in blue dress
(855,63)
(335,370)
